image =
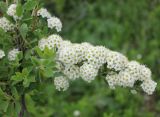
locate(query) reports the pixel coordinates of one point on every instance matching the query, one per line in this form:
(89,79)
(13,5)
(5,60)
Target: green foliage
(24,76)
(31,69)
(131,27)
(23,30)
(3,6)
(19,10)
(30,5)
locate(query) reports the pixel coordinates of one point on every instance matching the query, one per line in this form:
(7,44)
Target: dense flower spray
(84,60)
(6,25)
(122,72)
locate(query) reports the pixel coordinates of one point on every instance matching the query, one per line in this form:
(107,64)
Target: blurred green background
(128,26)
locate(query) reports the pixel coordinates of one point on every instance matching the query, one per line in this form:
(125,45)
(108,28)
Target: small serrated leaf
(48,73)
(15,93)
(23,30)
(4,105)
(30,5)
(19,10)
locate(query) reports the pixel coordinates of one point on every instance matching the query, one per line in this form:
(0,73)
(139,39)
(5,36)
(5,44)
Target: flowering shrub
(32,53)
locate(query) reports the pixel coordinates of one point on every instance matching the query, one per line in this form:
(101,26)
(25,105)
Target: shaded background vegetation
(128,26)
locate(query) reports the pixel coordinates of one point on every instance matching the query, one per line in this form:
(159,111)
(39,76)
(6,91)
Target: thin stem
(23,107)
(34,14)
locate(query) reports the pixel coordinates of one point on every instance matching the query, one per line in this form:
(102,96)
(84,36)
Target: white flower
(12,11)
(2,54)
(116,61)
(54,22)
(6,25)
(149,86)
(76,113)
(13,54)
(112,79)
(64,44)
(96,55)
(54,41)
(84,60)
(44,13)
(125,79)
(72,72)
(86,45)
(133,67)
(88,72)
(42,44)
(68,55)
(61,83)
(80,50)
(145,73)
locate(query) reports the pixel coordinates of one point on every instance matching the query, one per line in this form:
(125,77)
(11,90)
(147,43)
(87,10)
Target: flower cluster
(148,86)
(116,61)
(53,41)
(2,54)
(53,22)
(6,25)
(85,61)
(88,72)
(72,72)
(12,11)
(61,83)
(133,72)
(43,13)
(13,54)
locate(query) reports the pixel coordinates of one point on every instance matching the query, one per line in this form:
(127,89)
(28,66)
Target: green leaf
(23,30)
(26,83)
(4,105)
(25,72)
(49,53)
(3,6)
(15,93)
(19,10)
(29,68)
(48,73)
(28,54)
(30,104)
(20,56)
(35,61)
(32,79)
(10,109)
(17,107)
(30,5)
(18,77)
(38,51)
(1,93)
(28,80)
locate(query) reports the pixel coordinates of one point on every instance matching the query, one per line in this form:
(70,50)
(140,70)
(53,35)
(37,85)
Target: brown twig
(34,13)
(23,107)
